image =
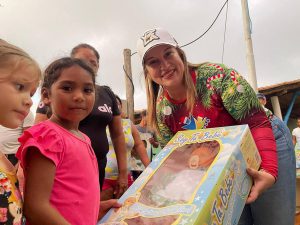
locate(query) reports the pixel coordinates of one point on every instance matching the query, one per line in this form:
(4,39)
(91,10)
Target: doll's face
(203,155)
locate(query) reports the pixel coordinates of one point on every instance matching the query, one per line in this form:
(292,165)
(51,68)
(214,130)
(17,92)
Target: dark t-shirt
(94,125)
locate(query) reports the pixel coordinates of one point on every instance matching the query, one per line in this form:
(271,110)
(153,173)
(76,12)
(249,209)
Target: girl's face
(164,66)
(71,97)
(17,88)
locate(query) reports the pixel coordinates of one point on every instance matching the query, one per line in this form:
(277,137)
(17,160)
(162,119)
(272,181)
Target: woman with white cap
(184,96)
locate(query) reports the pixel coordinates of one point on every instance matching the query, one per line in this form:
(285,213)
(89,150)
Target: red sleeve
(262,133)
(266,145)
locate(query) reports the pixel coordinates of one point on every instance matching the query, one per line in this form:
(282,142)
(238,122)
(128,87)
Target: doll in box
(177,178)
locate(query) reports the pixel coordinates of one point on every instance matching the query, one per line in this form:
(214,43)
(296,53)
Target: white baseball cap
(152,38)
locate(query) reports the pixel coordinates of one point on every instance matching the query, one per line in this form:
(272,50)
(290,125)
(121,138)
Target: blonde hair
(154,90)
(12,57)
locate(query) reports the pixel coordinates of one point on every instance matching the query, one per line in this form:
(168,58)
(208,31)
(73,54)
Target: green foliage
(239,99)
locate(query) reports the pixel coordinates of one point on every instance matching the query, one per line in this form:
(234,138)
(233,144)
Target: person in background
(263,101)
(150,142)
(296,134)
(105,113)
(183,96)
(268,207)
(19,79)
(133,142)
(60,167)
(143,128)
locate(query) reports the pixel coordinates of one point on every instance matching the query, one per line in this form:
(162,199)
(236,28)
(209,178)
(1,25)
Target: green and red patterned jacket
(224,98)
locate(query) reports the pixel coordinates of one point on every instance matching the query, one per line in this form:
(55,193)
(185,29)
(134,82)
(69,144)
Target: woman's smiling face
(164,66)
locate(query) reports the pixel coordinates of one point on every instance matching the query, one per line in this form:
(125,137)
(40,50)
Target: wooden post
(276,106)
(249,48)
(129,84)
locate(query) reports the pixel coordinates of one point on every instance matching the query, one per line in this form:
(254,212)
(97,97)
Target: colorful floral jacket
(224,98)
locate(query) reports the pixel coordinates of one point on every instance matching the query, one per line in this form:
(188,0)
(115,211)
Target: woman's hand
(107,205)
(122,185)
(153,142)
(262,180)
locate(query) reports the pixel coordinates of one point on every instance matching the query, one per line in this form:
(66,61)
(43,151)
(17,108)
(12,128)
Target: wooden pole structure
(129,84)
(249,47)
(276,106)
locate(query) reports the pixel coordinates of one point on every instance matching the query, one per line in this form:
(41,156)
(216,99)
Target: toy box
(198,178)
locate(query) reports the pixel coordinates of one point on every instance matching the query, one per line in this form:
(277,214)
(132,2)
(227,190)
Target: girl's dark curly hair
(53,71)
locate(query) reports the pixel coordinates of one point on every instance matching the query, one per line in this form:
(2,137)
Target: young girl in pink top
(19,78)
(60,167)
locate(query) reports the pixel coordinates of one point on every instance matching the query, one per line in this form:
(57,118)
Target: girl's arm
(40,173)
(139,146)
(294,140)
(107,205)
(153,141)
(118,140)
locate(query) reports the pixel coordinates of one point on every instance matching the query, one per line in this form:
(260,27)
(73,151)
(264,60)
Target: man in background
(283,192)
(263,101)
(296,134)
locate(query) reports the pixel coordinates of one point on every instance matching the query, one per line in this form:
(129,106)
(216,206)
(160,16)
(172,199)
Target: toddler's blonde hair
(12,58)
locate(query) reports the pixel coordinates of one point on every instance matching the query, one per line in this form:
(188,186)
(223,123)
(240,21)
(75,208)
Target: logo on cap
(149,36)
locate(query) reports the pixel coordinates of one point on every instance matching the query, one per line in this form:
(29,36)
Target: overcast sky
(49,29)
